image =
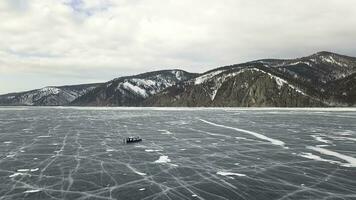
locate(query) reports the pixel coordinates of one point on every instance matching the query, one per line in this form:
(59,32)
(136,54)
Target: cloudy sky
(56,42)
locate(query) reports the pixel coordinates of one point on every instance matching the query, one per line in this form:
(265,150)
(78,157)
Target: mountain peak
(332,54)
(325,53)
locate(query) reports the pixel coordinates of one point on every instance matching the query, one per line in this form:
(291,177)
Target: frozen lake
(69,153)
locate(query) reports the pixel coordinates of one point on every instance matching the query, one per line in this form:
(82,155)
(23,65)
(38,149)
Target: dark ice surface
(78,153)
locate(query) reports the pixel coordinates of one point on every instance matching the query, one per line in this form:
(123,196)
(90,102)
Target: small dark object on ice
(132,139)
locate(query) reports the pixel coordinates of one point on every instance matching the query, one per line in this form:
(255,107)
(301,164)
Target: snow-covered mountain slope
(322,79)
(321,67)
(47,96)
(308,81)
(132,90)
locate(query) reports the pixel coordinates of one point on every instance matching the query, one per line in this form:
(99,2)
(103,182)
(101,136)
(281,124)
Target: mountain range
(323,79)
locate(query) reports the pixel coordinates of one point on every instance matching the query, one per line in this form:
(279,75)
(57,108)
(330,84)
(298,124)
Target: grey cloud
(55,39)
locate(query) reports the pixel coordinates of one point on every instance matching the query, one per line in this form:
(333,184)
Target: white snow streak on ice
(152,150)
(34,170)
(258,135)
(17,174)
(344,138)
(224,173)
(23,170)
(32,191)
(135,170)
(351,160)
(320,139)
(165,132)
(318,158)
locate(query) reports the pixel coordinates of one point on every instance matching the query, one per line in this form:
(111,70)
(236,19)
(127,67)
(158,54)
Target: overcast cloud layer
(56,42)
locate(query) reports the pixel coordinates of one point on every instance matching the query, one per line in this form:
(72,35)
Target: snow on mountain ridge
(201,79)
(219,77)
(133,88)
(49,90)
(150,85)
(49,95)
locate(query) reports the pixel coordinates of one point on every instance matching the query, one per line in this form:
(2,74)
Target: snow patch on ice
(110,150)
(163,159)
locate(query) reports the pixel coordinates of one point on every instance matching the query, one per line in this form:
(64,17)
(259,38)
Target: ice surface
(78,153)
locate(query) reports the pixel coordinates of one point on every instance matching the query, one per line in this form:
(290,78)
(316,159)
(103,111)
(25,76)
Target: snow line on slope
(351,160)
(258,135)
